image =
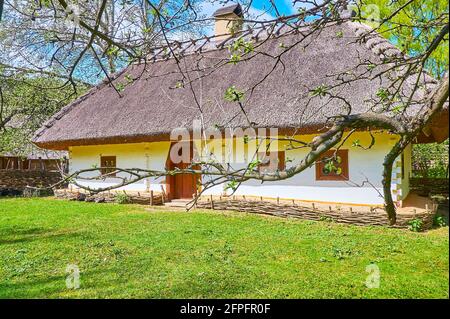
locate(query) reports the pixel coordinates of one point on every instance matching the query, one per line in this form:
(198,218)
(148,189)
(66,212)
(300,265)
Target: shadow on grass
(52,286)
(13,236)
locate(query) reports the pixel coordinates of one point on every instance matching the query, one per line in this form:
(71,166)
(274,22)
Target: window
(272,161)
(107,165)
(332,166)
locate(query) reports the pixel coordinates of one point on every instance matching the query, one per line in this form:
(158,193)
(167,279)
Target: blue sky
(284,6)
(258,8)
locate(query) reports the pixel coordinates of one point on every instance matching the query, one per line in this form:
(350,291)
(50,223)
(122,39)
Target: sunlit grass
(123,251)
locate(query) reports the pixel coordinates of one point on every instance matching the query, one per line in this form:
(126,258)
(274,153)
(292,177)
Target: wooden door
(184,184)
(181,185)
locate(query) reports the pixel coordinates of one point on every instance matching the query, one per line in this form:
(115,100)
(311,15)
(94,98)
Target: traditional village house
(103,129)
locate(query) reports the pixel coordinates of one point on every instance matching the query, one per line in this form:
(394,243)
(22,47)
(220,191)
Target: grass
(123,251)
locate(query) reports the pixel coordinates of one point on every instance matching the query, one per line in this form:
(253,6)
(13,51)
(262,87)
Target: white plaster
(363,165)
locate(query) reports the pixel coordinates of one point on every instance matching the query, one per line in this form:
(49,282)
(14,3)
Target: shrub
(439,221)
(324,218)
(122,198)
(416,225)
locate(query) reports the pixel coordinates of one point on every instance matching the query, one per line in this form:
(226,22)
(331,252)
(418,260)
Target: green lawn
(123,251)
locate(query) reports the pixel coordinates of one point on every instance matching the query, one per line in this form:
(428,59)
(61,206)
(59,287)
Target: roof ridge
(197,45)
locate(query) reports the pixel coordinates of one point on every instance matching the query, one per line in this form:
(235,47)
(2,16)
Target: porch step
(177,203)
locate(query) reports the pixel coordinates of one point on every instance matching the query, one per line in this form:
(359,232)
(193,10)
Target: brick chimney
(228,20)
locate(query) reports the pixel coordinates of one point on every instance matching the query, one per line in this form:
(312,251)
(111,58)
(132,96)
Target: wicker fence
(373,217)
(109,197)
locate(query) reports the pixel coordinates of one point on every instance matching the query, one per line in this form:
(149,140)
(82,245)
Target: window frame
(106,169)
(344,165)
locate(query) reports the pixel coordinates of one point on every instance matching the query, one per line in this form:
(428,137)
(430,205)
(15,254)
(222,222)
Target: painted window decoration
(403,165)
(332,166)
(272,162)
(108,164)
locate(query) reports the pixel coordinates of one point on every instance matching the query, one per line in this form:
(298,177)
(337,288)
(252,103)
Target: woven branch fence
(148,198)
(375,216)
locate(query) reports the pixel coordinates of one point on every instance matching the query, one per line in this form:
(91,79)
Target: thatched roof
(150,107)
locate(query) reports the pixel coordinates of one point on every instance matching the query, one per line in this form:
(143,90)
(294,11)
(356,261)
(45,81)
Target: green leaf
(254,164)
(356,143)
(321,90)
(383,94)
(233,95)
(231,185)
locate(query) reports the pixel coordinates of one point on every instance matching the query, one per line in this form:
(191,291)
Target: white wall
(363,165)
(140,155)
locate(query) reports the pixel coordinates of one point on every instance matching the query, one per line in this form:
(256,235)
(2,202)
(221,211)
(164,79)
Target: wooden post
(278,200)
(426,208)
(151,198)
(293,202)
(260,198)
(329,207)
(351,209)
(243,196)
(313,206)
(212,202)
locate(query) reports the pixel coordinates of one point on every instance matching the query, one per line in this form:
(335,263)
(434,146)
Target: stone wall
(374,217)
(14,182)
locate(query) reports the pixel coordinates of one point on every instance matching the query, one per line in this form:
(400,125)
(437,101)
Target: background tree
(25,106)
(52,51)
(411,30)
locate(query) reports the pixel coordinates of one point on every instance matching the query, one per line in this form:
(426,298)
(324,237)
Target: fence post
(151,198)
